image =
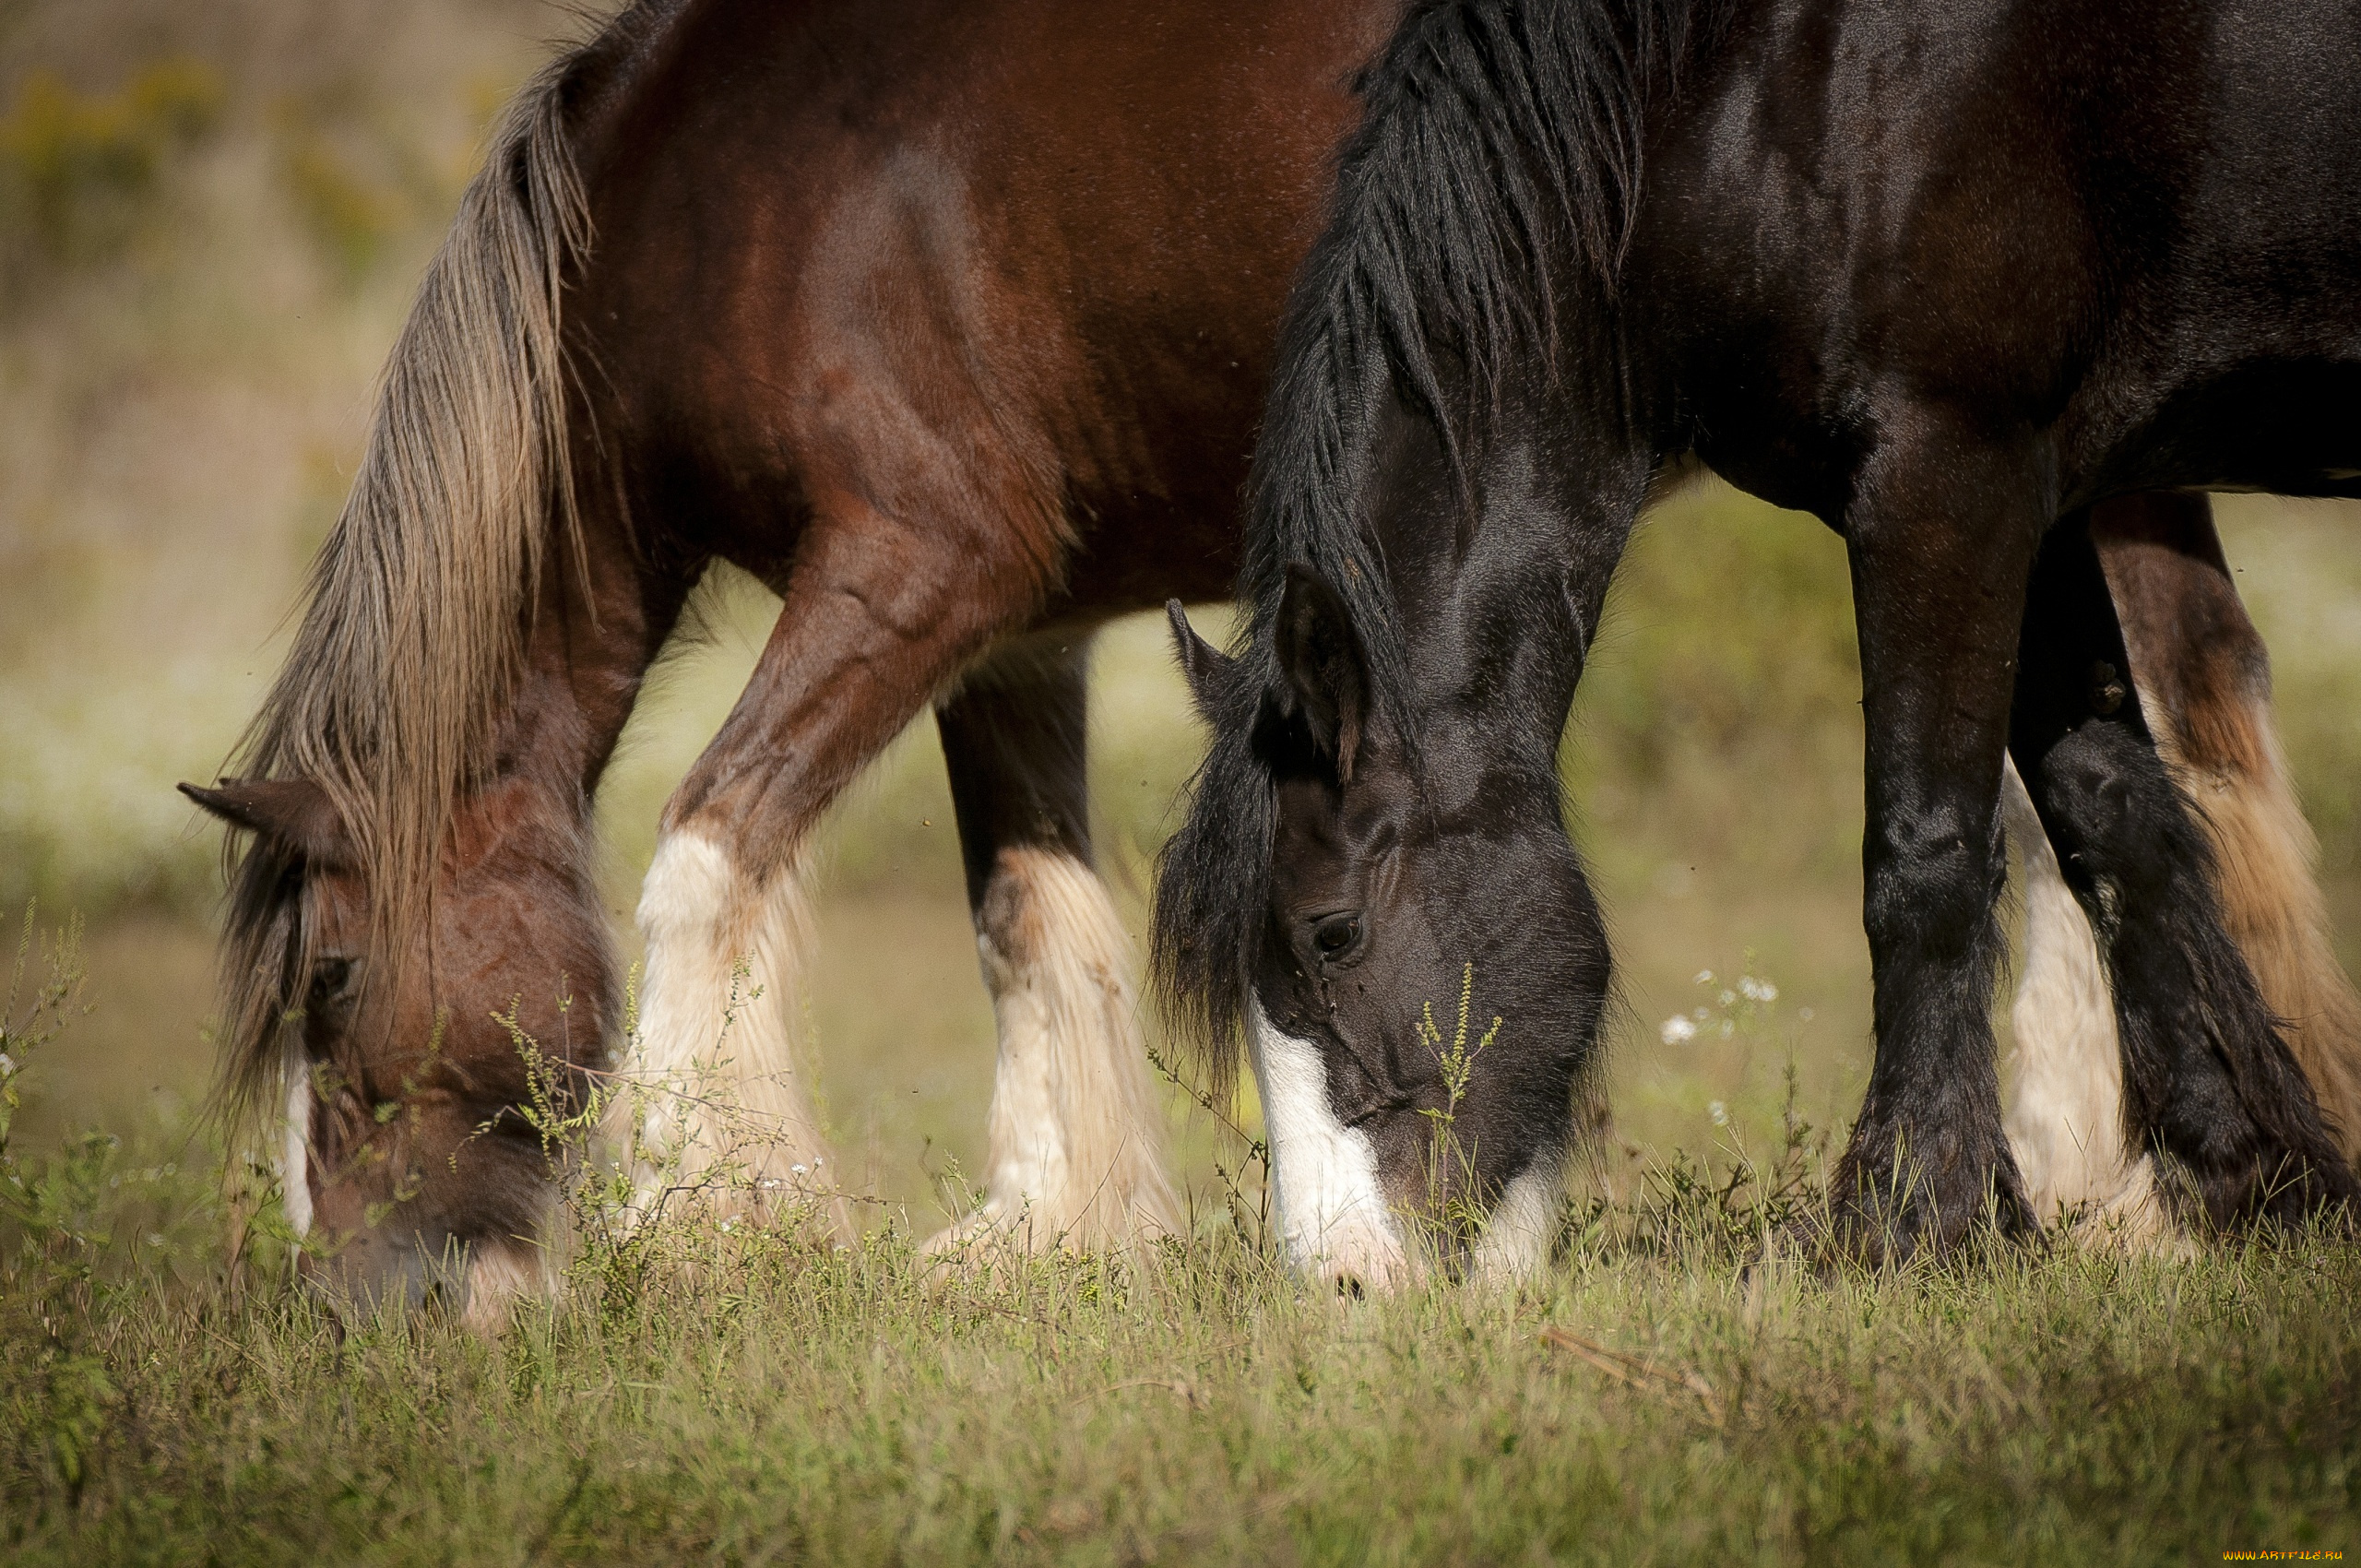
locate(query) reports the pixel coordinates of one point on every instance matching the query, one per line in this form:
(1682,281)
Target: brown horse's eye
(1335,934)
(332,981)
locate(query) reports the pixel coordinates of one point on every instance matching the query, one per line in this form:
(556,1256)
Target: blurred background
(211,218)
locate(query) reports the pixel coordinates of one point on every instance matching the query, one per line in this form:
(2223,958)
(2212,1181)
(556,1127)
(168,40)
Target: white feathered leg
(2065,1115)
(723,1108)
(1076,1131)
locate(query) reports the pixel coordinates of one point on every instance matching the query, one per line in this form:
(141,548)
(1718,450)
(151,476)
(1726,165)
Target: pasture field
(1669,1392)
(210,220)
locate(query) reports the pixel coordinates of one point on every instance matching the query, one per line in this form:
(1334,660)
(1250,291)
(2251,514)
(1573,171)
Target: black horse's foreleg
(2208,1081)
(1942,533)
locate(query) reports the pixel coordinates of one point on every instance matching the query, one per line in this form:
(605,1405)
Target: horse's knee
(2119,826)
(1933,877)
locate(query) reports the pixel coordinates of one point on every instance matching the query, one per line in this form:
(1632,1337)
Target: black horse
(1945,275)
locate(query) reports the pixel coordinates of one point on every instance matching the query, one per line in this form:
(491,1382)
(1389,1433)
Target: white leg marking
(1519,1232)
(295,1148)
(2065,1117)
(715,1054)
(1076,1132)
(1333,1218)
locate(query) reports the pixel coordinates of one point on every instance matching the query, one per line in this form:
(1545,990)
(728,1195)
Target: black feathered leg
(2208,1081)
(1941,529)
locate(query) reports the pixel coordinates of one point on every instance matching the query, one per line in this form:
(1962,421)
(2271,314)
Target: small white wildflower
(817,1162)
(1676,1030)
(1728,997)
(1758,990)
(1701,1015)
(1704,977)
(801,1170)
(1719,1112)
(8,1063)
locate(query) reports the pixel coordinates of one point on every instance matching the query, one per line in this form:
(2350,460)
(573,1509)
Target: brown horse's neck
(601,619)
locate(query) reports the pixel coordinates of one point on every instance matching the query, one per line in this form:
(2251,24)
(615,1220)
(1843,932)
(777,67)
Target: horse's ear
(1201,665)
(295,813)
(1321,656)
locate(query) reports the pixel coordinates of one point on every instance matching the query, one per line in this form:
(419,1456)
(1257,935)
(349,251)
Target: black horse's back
(2126,226)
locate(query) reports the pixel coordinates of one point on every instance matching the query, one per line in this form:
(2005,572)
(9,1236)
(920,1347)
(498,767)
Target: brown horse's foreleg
(879,615)
(2204,680)
(1077,1143)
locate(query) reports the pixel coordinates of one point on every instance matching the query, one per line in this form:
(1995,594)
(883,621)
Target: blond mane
(411,639)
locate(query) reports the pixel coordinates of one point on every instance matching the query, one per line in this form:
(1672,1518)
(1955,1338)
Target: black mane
(1500,151)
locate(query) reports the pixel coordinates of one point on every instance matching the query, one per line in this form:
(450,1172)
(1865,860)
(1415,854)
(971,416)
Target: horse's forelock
(1212,884)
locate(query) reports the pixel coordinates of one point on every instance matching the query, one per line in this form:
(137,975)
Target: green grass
(1667,1392)
(1648,1401)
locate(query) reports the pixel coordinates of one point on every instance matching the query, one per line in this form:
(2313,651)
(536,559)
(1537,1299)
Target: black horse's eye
(1335,934)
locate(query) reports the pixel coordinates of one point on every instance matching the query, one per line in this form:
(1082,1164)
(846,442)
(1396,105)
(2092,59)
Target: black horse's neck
(1496,560)
(1482,214)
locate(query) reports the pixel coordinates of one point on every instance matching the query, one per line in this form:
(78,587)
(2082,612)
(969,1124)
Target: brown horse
(950,323)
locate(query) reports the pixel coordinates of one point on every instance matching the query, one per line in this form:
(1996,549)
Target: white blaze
(1333,1218)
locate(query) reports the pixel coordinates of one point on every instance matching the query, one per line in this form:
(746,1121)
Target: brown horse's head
(411,918)
(406,1060)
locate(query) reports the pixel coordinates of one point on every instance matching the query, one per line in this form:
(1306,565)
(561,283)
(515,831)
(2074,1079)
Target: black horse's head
(1454,449)
(1392,916)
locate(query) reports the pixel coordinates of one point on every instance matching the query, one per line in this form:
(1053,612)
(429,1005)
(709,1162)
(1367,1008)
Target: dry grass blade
(1638,1373)
(1180,1388)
